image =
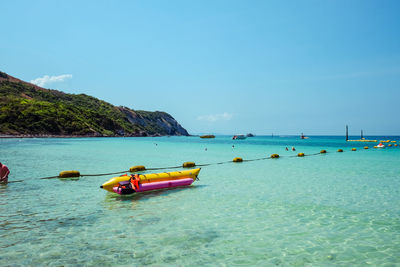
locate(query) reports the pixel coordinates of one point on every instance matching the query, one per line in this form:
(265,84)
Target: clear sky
(281,67)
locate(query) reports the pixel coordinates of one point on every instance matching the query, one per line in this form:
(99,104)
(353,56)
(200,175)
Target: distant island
(27,110)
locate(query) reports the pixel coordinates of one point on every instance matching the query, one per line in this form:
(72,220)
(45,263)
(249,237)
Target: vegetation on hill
(26,109)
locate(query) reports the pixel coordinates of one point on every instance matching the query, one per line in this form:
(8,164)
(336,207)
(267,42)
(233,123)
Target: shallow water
(336,209)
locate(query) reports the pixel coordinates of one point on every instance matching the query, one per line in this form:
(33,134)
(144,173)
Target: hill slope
(27,109)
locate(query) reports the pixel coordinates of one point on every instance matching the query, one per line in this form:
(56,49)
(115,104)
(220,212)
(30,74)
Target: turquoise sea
(336,209)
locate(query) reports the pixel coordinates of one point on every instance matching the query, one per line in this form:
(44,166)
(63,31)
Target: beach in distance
(333,209)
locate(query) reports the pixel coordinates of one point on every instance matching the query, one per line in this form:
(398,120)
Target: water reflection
(111,200)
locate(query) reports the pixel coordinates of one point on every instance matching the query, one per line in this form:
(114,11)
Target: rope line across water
(176,167)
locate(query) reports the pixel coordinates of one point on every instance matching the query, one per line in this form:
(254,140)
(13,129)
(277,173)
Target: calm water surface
(337,209)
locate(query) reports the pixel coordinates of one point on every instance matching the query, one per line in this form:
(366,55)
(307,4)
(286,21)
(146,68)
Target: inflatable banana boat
(144,182)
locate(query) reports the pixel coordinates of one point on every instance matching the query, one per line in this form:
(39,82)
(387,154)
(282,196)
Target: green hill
(27,109)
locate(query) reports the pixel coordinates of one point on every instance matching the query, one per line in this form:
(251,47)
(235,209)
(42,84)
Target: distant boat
(207,136)
(239,136)
(380,145)
(250,135)
(303,137)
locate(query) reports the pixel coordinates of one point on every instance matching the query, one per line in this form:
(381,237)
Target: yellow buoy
(366,147)
(375,147)
(137,168)
(207,136)
(353,149)
(395,144)
(340,150)
(274,156)
(323,151)
(68,174)
(389,144)
(237,160)
(300,155)
(188,164)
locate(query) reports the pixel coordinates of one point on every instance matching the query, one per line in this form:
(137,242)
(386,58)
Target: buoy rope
(163,168)
(50,177)
(103,174)
(177,167)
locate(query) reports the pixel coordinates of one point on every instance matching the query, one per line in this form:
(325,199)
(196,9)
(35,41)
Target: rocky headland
(27,110)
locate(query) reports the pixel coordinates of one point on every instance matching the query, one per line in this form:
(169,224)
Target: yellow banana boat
(152,177)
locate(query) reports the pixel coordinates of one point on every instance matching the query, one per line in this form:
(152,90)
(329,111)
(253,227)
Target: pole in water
(347,133)
(362,136)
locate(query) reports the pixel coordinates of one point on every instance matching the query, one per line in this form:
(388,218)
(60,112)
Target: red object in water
(4,172)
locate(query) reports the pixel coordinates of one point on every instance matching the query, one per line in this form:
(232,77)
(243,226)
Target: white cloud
(46,79)
(215,117)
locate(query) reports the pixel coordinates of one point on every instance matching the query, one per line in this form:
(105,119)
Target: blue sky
(281,67)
